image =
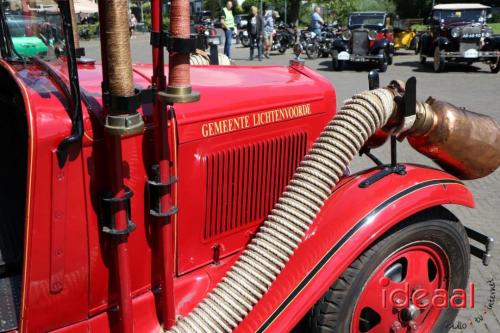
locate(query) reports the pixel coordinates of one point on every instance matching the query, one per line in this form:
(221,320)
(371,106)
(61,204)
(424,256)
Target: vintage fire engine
(213,199)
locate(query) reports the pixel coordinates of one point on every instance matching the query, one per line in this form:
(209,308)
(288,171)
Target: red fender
(350,221)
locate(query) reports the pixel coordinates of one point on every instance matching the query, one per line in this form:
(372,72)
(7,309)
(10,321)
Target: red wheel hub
(398,295)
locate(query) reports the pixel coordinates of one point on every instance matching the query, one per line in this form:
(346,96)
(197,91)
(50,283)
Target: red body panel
(76,251)
(339,215)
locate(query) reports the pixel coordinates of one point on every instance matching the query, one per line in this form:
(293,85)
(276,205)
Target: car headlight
(372,35)
(456,32)
(346,35)
(487,33)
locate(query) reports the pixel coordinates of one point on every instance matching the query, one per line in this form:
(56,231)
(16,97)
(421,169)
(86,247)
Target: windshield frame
(440,20)
(382,16)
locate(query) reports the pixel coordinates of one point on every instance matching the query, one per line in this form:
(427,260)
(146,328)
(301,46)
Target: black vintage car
(369,37)
(458,33)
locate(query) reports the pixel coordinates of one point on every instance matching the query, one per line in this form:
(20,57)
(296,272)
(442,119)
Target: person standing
(268,32)
(228,25)
(316,21)
(255,32)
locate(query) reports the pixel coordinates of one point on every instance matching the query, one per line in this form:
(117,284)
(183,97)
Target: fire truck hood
(230,91)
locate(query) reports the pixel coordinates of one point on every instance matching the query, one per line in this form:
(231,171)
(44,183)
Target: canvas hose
(312,183)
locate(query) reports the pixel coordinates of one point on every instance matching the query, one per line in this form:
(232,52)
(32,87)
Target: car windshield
(34,27)
(451,16)
(368,20)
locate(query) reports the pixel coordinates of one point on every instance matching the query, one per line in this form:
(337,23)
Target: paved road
(472,87)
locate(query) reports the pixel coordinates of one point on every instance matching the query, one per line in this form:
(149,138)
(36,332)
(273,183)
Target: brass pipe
(464,143)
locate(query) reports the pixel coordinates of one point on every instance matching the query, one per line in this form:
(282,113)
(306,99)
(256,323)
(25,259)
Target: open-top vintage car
(369,37)
(144,198)
(459,33)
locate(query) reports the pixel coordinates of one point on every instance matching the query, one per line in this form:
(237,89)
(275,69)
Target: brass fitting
(464,143)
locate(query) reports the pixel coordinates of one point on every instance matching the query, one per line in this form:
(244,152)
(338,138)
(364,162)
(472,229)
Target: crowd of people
(260,29)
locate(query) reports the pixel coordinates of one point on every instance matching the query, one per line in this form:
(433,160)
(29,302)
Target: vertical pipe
(179,76)
(76,36)
(160,118)
(117,81)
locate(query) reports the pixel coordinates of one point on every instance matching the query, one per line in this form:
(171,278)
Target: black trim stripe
(343,240)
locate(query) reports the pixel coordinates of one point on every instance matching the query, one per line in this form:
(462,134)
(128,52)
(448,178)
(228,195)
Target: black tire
(245,41)
(312,50)
(334,311)
(282,50)
(337,65)
(423,59)
(384,62)
(495,66)
(439,61)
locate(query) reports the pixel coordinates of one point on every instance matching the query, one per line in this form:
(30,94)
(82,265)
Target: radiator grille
(360,42)
(464,46)
(243,183)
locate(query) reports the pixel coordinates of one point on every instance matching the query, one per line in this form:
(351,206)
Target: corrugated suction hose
(281,233)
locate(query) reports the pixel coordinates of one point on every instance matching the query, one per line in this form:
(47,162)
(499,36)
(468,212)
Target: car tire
(439,61)
(495,66)
(383,62)
(433,231)
(337,65)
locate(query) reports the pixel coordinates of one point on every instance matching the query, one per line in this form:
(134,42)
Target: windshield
(34,27)
(451,16)
(370,20)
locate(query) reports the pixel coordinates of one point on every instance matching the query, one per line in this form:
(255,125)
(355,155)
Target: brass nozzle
(464,143)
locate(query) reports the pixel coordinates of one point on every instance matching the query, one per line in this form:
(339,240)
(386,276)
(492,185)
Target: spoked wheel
(495,66)
(312,50)
(439,60)
(378,292)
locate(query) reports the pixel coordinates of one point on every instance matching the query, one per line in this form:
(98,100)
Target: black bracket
(394,167)
(128,104)
(156,190)
(109,205)
(488,242)
(174,44)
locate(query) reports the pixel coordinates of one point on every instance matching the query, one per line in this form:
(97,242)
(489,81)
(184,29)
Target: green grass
(496,27)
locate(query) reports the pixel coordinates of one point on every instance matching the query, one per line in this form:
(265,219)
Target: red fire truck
(143,198)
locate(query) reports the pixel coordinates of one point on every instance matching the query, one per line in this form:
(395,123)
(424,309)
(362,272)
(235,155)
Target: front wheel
(495,66)
(337,64)
(312,50)
(245,40)
(429,251)
(383,62)
(439,60)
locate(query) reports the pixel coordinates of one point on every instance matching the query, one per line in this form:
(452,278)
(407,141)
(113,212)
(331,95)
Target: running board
(488,242)
(10,288)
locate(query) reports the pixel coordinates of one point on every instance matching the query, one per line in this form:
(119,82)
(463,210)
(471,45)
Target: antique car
(369,38)
(176,198)
(459,33)
(406,37)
